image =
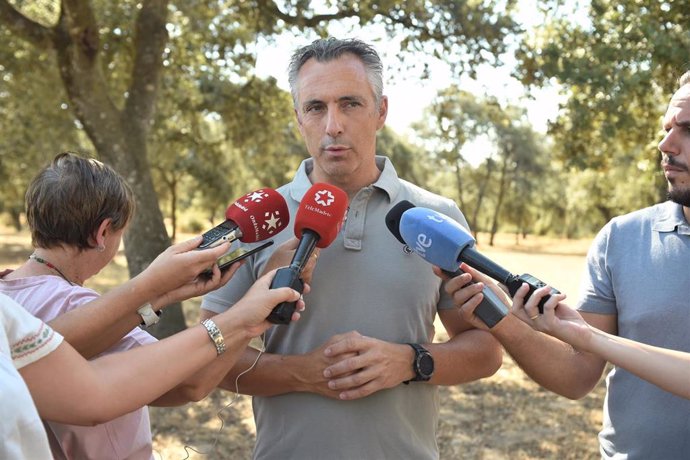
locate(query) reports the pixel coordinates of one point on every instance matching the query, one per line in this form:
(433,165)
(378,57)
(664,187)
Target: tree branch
(149,42)
(24,27)
(304,21)
(76,42)
(82,27)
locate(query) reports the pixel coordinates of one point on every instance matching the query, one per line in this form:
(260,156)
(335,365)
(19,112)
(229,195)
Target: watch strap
(215,334)
(149,316)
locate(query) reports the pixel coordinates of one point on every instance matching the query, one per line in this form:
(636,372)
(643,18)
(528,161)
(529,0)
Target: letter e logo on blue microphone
(420,227)
(422,244)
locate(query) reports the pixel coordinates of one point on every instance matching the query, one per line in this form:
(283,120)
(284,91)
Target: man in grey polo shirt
(637,286)
(332,386)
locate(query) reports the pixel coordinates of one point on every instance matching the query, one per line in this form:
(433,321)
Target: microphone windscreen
(259,215)
(322,210)
(393,218)
(435,236)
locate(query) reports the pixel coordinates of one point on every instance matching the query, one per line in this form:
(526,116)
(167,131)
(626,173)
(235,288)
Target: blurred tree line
(166,92)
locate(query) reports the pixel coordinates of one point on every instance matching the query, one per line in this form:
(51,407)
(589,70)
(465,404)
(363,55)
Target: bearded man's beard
(680,196)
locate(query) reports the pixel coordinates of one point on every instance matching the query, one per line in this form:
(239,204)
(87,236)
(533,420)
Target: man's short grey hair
(684,79)
(328,49)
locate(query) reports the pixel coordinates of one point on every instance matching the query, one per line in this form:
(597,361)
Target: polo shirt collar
(388,179)
(671,218)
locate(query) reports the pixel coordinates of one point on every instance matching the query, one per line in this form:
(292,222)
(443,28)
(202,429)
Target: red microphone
(319,219)
(253,217)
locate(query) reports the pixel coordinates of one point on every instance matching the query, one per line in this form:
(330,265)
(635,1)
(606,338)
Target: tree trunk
(499,201)
(458,183)
(480,197)
(119,135)
(173,206)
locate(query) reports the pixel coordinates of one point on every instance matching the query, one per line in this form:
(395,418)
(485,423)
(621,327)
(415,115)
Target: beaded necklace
(49,265)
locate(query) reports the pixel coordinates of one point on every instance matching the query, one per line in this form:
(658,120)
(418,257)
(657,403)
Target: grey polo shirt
(638,268)
(364,281)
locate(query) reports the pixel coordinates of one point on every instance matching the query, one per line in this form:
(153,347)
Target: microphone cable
(219,413)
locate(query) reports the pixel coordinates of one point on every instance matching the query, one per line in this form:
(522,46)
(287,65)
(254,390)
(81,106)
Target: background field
(506,416)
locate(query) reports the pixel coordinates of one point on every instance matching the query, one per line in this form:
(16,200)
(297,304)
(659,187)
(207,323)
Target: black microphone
(445,243)
(491,310)
(317,223)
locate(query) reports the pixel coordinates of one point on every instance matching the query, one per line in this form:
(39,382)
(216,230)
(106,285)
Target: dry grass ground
(506,416)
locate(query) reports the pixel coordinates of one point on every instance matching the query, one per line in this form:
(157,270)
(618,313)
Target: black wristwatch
(423,364)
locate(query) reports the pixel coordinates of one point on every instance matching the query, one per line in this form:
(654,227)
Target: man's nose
(668,144)
(334,125)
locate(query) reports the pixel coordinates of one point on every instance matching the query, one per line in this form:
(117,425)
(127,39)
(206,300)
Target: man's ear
(300,126)
(383,112)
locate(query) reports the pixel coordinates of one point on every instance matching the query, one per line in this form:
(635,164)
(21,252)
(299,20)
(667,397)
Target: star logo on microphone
(324,198)
(271,222)
(256,197)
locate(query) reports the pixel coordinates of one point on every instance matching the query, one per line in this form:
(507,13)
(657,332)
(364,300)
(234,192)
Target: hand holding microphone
(491,310)
(444,242)
(319,219)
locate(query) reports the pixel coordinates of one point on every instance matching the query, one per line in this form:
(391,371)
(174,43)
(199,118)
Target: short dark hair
(327,49)
(69,199)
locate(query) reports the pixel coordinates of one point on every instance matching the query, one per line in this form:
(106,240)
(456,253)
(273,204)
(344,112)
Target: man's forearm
(553,364)
(468,356)
(272,374)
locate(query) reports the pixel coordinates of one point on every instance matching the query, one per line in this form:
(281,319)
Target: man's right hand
(312,366)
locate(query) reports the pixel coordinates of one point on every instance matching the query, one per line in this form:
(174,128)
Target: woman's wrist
(229,325)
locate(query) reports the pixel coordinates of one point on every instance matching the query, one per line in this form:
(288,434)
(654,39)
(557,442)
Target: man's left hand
(377,365)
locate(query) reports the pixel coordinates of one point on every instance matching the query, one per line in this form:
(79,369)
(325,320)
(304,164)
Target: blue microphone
(445,243)
(491,310)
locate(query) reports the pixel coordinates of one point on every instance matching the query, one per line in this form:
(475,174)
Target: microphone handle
(290,277)
(226,231)
(305,248)
(479,262)
(534,283)
(491,310)
(285,277)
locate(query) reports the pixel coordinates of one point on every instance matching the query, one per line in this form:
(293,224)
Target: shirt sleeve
(29,338)
(596,288)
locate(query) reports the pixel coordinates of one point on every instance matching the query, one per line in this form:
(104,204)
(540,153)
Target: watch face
(426,365)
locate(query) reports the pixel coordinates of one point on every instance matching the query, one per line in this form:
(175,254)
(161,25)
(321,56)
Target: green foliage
(618,66)
(36,121)
(208,81)
(411,162)
(455,118)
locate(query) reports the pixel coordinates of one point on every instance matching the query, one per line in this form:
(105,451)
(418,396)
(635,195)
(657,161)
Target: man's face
(675,147)
(338,118)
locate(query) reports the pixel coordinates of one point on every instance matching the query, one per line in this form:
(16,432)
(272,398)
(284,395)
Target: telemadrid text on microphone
(444,242)
(256,216)
(317,223)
